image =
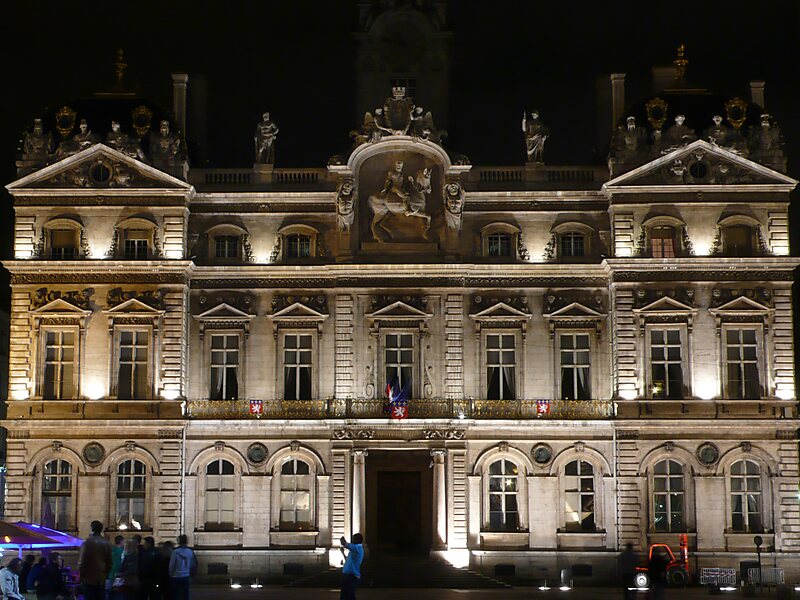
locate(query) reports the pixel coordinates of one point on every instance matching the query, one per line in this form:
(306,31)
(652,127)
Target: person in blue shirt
(351,572)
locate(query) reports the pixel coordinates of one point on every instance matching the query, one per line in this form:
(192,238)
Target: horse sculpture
(399,198)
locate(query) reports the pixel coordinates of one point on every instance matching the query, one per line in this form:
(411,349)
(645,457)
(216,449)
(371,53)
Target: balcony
(649,408)
(418,409)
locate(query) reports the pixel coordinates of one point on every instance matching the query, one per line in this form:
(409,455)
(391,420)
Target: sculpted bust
(454,205)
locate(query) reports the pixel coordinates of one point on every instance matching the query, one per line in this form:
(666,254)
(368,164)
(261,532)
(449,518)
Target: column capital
(439,454)
(357,453)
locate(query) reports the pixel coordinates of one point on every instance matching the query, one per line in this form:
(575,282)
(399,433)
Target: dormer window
(299,242)
(662,242)
(226,247)
(298,246)
(63,244)
(499,241)
(136,244)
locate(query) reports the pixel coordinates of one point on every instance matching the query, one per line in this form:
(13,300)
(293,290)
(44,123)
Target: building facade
(593,356)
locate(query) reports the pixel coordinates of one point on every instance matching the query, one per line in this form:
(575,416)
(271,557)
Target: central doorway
(399,496)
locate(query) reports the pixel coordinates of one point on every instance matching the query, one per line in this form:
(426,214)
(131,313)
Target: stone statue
(397,198)
(422,127)
(345,201)
(37,145)
(766,144)
(164,145)
(717,134)
(367,133)
(266,134)
(453,205)
(536,134)
(80,141)
(119,140)
(627,142)
(676,136)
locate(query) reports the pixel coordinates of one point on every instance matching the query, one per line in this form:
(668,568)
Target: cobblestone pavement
(283,593)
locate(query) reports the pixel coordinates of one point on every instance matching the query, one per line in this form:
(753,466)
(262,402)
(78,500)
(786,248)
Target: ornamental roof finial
(680,62)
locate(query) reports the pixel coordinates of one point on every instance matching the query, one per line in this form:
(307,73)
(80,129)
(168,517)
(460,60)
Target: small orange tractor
(677,569)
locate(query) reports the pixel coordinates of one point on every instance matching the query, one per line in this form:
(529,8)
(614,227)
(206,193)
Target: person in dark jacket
(148,570)
(162,570)
(33,576)
(94,563)
(50,585)
(27,565)
(129,571)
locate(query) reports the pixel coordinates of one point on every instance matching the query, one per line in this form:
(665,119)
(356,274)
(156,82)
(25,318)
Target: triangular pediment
(574,310)
(222,311)
(61,307)
(134,306)
(742,304)
(399,309)
(700,164)
(500,311)
(80,171)
(299,311)
(665,305)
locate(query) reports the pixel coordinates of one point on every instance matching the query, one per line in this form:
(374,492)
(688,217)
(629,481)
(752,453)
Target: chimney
(617,98)
(757,92)
(179,81)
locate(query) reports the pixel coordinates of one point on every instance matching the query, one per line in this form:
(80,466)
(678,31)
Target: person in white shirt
(9,580)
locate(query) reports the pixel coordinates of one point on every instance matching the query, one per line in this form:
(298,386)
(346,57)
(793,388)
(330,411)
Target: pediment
(574,310)
(299,312)
(741,305)
(399,310)
(699,164)
(665,305)
(99,166)
(500,311)
(134,306)
(60,307)
(222,311)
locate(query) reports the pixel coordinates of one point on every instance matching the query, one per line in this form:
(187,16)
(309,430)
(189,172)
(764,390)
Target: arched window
(219,495)
(746,497)
(227,242)
(579,496)
(57,494)
(299,242)
(136,239)
(226,247)
(298,246)
(500,244)
(663,243)
(500,240)
(295,502)
(668,497)
(738,240)
(503,496)
(62,239)
(131,494)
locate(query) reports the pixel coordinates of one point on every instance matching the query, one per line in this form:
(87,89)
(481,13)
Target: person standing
(116,562)
(95,563)
(148,575)
(51,584)
(128,576)
(182,567)
(33,576)
(351,572)
(162,570)
(627,570)
(23,576)
(9,580)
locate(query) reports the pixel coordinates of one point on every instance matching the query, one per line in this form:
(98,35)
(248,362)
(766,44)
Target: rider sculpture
(400,196)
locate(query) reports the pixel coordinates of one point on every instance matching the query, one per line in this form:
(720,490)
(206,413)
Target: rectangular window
(662,241)
(399,360)
(501,362)
(666,366)
(136,244)
(226,246)
(133,360)
(59,365)
(225,366)
(62,244)
(295,506)
(574,354)
(131,494)
(297,365)
(298,246)
(499,244)
(572,245)
(741,364)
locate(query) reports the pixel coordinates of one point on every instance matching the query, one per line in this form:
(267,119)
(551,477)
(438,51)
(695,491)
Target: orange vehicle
(677,568)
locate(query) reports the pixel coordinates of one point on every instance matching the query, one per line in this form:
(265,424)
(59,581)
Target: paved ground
(283,593)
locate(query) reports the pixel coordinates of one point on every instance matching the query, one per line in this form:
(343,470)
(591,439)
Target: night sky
(297,60)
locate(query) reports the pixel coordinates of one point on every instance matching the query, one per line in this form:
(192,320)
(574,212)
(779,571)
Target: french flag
(398,400)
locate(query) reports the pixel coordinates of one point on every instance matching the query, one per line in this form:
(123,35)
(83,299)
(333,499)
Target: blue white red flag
(398,400)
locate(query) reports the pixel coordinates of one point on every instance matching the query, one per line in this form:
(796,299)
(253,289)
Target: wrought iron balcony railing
(353,408)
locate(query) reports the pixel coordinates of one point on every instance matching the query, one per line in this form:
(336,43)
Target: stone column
(359,490)
(439,499)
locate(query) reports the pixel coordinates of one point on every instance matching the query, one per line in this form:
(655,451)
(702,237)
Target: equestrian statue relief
(401,196)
